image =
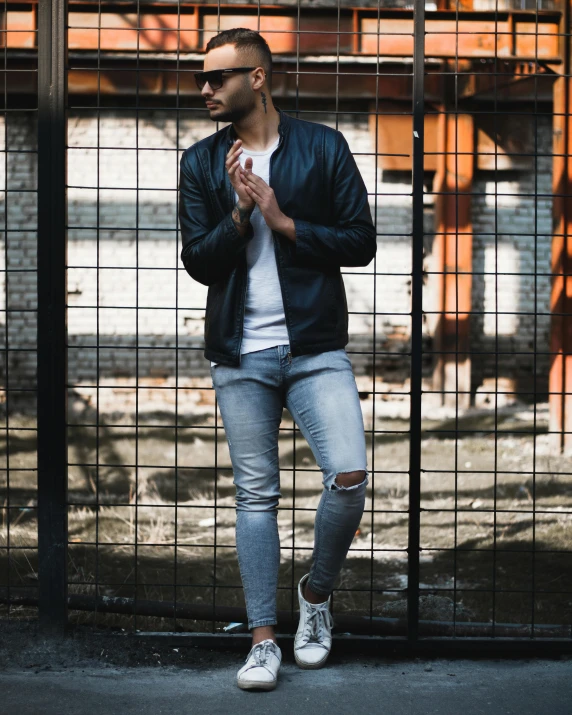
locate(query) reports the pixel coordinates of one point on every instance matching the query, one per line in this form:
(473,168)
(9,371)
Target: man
(270,208)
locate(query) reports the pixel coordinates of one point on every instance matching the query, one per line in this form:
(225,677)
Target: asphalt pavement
(358,685)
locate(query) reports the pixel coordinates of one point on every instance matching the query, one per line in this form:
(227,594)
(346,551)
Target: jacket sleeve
(209,253)
(351,240)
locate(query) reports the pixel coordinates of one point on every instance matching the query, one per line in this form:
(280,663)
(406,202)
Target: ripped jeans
(320,393)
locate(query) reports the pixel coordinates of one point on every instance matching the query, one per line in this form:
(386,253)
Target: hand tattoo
(263,95)
(241,216)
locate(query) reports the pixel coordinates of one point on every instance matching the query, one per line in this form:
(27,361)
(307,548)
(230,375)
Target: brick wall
(116,229)
(18,261)
(516,243)
(117,171)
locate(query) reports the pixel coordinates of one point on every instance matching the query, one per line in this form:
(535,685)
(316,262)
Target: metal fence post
(416,321)
(52,292)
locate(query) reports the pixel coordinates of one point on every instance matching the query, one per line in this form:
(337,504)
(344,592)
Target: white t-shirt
(264,319)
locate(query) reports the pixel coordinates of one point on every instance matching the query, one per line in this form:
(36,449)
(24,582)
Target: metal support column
(52,293)
(453,250)
(560,377)
(416,321)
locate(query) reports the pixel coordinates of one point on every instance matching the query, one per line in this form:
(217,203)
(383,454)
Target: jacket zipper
(278,259)
(245,274)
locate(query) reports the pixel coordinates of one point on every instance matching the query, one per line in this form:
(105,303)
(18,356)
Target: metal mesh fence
(457,116)
(18,311)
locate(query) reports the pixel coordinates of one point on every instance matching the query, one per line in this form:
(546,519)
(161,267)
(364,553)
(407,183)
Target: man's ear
(259,78)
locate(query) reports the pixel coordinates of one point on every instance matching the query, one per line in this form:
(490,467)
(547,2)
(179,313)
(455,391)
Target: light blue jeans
(320,393)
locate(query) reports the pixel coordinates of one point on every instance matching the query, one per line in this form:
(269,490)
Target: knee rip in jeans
(349,480)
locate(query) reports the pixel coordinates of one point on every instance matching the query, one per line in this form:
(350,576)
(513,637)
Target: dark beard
(232,114)
(239,106)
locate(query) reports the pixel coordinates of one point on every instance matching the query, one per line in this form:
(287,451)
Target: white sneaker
(313,640)
(261,667)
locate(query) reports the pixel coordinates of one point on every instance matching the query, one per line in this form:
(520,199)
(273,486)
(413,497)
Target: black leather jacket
(316,183)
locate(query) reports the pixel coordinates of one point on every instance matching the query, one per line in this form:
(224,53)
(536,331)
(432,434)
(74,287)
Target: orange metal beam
(166,32)
(521,38)
(314,80)
(503,81)
(394,133)
(516,35)
(453,251)
(317,33)
(560,377)
(21,27)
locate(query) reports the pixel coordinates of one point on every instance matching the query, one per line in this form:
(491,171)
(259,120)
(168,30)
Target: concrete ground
(95,672)
(358,685)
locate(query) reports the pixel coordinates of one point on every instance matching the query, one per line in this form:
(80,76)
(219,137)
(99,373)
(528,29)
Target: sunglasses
(215,77)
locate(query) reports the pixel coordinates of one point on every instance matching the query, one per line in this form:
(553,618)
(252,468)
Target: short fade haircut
(250,44)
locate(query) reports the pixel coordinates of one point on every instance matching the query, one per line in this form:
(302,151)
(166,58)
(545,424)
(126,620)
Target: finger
(231,157)
(232,170)
(237,146)
(256,180)
(253,194)
(233,167)
(252,179)
(260,195)
(247,167)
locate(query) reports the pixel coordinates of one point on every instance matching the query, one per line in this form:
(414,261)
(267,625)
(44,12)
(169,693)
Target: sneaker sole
(256,686)
(311,666)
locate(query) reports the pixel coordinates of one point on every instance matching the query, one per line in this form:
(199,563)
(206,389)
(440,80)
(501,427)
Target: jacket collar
(283,126)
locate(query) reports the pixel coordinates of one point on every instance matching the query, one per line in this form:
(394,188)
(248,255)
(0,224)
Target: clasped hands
(253,191)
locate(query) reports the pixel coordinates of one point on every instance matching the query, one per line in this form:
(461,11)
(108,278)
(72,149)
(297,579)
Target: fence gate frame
(53,600)
(52,333)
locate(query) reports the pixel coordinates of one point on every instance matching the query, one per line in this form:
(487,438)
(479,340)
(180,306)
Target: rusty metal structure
(475,53)
(442,84)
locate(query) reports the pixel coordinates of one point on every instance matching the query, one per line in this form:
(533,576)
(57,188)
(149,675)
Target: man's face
(235,99)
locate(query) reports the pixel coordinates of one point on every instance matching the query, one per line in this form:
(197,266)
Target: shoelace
(261,651)
(318,624)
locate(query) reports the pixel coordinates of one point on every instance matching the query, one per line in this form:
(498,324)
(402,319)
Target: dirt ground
(23,647)
(496,511)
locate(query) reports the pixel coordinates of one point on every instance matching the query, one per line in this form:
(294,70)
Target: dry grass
(481,562)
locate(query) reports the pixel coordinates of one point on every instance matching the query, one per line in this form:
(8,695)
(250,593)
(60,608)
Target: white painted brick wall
(512,234)
(18,258)
(119,169)
(139,231)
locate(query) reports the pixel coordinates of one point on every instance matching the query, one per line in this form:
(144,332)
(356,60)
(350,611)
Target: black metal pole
(416,321)
(52,294)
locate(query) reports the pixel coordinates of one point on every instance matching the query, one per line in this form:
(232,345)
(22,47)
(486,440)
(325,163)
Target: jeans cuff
(262,622)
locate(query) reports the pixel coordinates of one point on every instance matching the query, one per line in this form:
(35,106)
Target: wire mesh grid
(18,277)
(457,116)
